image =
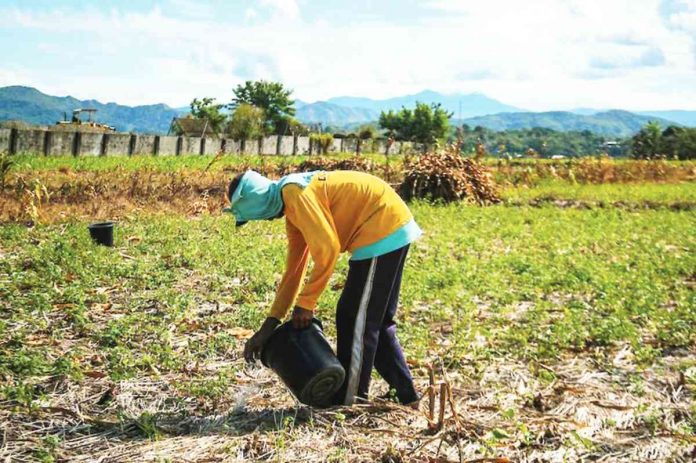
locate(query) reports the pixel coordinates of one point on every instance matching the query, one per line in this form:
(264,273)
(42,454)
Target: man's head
(233,186)
(254,197)
(230,192)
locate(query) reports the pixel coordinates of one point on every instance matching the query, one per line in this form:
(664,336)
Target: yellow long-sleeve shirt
(338,211)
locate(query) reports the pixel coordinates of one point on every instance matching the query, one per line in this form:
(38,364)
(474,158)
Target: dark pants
(366,329)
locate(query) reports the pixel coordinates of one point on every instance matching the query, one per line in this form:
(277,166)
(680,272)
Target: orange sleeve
(298,256)
(318,230)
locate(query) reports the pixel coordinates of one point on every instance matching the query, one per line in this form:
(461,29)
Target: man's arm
(324,247)
(298,256)
(296,267)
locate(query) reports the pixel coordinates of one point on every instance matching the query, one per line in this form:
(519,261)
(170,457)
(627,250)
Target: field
(562,320)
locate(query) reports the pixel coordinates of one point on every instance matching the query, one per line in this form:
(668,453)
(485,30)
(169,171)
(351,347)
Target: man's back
(360,208)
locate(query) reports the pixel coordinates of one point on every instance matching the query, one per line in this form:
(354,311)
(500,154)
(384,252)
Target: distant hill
(687,118)
(348,110)
(474,104)
(613,123)
(683,117)
(30,105)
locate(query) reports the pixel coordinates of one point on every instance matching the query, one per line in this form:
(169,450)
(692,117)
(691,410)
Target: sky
(538,55)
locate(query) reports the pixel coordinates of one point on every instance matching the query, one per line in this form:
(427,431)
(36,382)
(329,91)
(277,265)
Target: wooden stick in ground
(431,393)
(455,415)
(443,402)
(212,161)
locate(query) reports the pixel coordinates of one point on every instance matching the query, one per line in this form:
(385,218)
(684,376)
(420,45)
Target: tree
(292,126)
(246,123)
(365,133)
(390,122)
(206,109)
(272,97)
(646,143)
(430,123)
(321,141)
(424,124)
(679,142)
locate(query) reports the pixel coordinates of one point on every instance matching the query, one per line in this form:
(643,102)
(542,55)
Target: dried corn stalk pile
(448,176)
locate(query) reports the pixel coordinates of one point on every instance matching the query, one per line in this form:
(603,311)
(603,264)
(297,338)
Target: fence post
(131,144)
(48,139)
(77,143)
(13,141)
(201,147)
(179,145)
(104,145)
(156,146)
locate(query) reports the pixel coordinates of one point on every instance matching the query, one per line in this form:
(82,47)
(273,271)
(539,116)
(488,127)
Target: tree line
(674,142)
(261,108)
(258,108)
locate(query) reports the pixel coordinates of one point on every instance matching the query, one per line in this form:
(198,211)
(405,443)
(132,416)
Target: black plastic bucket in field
(102,233)
(305,362)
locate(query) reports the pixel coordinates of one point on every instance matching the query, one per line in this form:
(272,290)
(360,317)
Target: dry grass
(506,414)
(55,195)
(595,406)
(597,170)
(47,196)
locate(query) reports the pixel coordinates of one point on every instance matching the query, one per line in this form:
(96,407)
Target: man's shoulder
(291,190)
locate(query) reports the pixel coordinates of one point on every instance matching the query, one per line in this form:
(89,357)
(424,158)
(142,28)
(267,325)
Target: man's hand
(253,347)
(301,318)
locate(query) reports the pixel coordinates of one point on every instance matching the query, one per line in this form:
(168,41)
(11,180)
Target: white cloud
(547,54)
(284,9)
(250,14)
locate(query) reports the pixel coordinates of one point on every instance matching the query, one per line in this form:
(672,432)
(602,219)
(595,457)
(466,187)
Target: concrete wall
(378,146)
(56,143)
(30,141)
(144,145)
(268,145)
(350,145)
(167,146)
(232,146)
(5,140)
(90,144)
(286,144)
(117,144)
(191,145)
(212,145)
(250,147)
(60,143)
(302,145)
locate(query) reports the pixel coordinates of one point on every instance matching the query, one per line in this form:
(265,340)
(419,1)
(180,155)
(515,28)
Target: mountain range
(30,105)
(613,123)
(348,110)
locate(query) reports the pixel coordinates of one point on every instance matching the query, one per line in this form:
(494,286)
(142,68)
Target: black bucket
(102,233)
(305,362)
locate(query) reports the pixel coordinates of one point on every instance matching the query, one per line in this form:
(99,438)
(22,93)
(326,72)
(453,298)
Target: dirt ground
(585,414)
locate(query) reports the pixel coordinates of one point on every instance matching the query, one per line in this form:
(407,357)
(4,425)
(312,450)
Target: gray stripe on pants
(356,356)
